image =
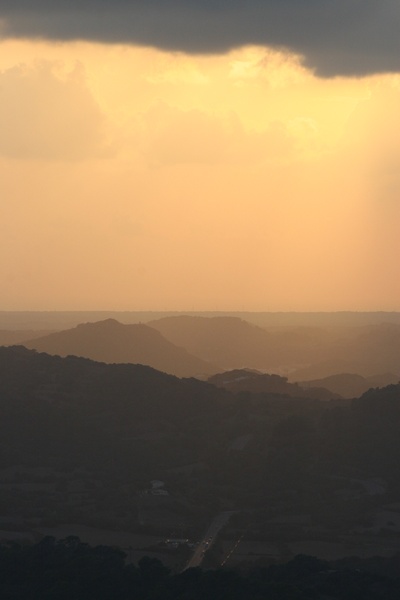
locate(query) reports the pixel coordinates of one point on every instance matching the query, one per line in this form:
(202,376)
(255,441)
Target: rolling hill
(301,353)
(81,442)
(246,380)
(349,385)
(234,343)
(112,342)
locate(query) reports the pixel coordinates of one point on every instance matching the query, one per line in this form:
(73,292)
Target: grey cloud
(336,37)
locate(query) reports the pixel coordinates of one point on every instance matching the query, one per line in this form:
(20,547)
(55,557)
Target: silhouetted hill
(302,353)
(234,343)
(80,442)
(246,380)
(74,411)
(35,377)
(377,348)
(350,385)
(57,320)
(303,346)
(368,434)
(112,342)
(367,351)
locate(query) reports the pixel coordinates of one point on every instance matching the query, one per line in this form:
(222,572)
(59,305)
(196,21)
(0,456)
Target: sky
(200,156)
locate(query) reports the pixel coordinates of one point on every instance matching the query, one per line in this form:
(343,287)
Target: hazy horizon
(58,320)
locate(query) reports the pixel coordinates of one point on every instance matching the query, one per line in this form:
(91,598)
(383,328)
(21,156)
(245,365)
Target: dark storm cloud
(337,37)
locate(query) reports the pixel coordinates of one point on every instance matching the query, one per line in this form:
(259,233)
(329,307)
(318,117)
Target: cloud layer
(341,37)
(132,178)
(47,116)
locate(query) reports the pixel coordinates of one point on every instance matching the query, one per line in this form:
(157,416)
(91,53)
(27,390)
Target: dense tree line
(71,570)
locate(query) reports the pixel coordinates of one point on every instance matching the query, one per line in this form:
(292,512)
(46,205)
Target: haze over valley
(135,455)
(358,347)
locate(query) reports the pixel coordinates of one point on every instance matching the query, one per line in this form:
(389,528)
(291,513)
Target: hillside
(234,343)
(81,443)
(112,342)
(246,380)
(301,353)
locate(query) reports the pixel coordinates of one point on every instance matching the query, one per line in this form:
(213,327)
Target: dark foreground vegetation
(128,449)
(71,570)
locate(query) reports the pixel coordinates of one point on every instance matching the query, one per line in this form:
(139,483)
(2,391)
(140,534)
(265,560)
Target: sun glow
(134,178)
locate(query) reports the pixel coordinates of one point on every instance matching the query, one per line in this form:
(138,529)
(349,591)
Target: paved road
(209,538)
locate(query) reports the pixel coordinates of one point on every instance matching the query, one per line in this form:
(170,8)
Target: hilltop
(112,342)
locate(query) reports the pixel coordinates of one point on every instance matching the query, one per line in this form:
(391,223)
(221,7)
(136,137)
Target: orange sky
(136,179)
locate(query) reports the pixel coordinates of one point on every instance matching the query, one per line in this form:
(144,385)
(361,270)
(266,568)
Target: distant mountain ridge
(367,351)
(349,385)
(58,320)
(12,337)
(228,341)
(301,353)
(246,380)
(199,346)
(112,342)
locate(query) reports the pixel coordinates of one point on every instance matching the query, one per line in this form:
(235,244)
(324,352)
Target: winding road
(209,538)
